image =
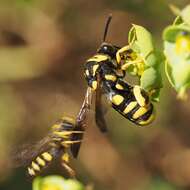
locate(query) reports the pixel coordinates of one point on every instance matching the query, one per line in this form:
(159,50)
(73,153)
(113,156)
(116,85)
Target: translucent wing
(99,112)
(24,154)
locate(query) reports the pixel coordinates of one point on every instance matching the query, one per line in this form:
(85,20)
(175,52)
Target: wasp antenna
(107,26)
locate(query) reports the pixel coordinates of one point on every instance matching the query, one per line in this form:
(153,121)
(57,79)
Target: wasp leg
(65,163)
(66,143)
(81,123)
(65,134)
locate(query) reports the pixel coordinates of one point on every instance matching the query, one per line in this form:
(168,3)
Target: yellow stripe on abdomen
(148,121)
(130,107)
(47,156)
(141,111)
(138,95)
(31,172)
(117,99)
(40,161)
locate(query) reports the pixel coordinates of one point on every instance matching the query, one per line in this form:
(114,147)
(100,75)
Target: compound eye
(105,48)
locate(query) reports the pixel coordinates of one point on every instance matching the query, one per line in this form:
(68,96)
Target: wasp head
(108,49)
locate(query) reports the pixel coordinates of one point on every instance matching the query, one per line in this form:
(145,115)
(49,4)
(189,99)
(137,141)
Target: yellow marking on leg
(35,166)
(62,134)
(31,172)
(94,69)
(118,56)
(119,86)
(87,72)
(110,77)
(68,143)
(47,156)
(148,121)
(138,95)
(40,161)
(65,157)
(138,66)
(94,85)
(65,134)
(141,111)
(117,99)
(129,107)
(71,142)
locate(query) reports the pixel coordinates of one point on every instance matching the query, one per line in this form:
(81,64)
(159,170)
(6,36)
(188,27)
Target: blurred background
(43,47)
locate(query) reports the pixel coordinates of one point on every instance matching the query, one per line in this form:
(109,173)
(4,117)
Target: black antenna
(106,27)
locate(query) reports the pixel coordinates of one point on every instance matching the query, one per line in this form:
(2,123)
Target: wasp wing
(99,112)
(24,154)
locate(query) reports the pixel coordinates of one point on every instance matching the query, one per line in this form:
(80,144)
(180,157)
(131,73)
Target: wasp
(104,74)
(65,137)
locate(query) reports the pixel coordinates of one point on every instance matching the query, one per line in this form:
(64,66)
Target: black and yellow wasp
(64,137)
(104,75)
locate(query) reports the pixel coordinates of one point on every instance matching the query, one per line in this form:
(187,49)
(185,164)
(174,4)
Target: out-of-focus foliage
(56,183)
(177,51)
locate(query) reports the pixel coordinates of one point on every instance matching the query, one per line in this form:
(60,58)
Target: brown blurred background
(43,47)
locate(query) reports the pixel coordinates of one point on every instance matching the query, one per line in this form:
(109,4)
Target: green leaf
(177,69)
(168,71)
(185,14)
(156,96)
(131,35)
(73,185)
(56,183)
(178,20)
(151,79)
(154,59)
(143,39)
(36,183)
